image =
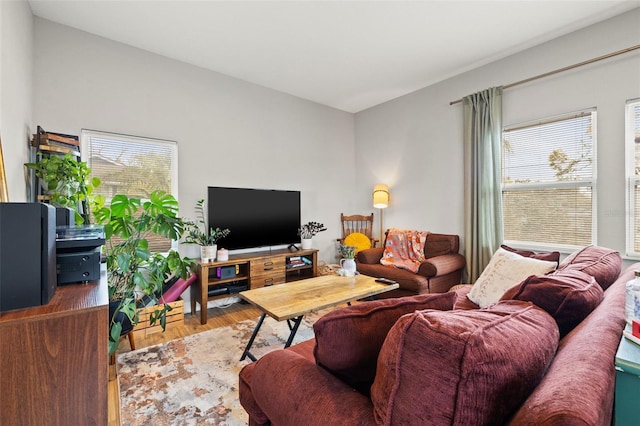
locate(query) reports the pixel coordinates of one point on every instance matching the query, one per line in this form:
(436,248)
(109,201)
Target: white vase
(208,253)
(306,243)
(349,267)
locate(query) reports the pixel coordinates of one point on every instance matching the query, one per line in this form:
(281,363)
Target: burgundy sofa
(435,359)
(441,270)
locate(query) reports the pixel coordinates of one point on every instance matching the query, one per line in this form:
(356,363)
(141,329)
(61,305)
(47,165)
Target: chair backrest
(357,223)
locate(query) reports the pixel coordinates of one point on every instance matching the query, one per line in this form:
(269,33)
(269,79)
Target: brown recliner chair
(441,270)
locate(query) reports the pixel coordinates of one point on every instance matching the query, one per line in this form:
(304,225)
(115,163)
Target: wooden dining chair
(357,223)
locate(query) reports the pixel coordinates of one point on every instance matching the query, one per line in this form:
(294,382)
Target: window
(133,166)
(548,181)
(633,177)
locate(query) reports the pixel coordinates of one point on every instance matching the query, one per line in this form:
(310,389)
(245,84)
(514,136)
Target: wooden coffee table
(291,301)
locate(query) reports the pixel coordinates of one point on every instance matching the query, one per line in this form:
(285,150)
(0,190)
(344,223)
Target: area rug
(194,380)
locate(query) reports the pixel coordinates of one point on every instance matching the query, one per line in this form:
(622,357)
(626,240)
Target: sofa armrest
(370,256)
(441,265)
(291,390)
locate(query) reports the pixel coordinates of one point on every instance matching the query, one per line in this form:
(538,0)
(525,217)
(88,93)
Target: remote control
(385,281)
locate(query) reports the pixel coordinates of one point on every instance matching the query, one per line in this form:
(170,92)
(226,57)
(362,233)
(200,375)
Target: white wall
(414,143)
(229,132)
(16,79)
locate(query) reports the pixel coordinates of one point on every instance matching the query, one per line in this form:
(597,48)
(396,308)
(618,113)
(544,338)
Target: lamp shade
(380,196)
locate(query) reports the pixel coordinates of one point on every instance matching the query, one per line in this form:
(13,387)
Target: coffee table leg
(246,352)
(294,329)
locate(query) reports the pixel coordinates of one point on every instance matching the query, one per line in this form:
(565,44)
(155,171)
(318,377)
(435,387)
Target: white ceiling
(349,55)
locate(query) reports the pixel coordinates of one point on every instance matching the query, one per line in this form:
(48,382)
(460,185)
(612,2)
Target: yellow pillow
(357,240)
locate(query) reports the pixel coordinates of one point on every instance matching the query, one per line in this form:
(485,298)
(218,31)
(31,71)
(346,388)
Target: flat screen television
(255,217)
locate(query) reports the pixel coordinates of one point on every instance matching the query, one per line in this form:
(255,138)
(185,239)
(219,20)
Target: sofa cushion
(477,367)
(358,240)
(553,256)
(505,269)
(602,263)
(462,301)
(440,244)
(348,340)
(568,296)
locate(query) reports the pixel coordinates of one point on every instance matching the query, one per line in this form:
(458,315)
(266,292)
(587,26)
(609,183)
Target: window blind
(133,166)
(548,181)
(633,177)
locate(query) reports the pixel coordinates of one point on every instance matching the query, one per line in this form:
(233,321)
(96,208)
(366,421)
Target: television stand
(293,247)
(255,269)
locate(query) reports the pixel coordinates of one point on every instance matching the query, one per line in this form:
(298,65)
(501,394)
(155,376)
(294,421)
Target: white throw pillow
(505,269)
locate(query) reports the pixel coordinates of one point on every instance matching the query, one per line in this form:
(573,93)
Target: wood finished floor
(216,317)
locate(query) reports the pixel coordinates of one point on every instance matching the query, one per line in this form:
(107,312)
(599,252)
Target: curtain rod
(570,67)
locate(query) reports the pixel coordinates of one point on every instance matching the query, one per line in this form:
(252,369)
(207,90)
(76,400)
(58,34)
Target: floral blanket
(404,249)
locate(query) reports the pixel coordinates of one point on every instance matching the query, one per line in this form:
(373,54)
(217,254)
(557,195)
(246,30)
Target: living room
(67,80)
(234,133)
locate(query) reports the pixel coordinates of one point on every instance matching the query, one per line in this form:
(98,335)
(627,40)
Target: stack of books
(296,262)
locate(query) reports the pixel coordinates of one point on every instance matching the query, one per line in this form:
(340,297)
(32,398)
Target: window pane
(129,167)
(552,216)
(560,150)
(547,179)
(132,166)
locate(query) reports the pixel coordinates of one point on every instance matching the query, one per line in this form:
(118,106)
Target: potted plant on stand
(66,180)
(308,231)
(207,238)
(132,270)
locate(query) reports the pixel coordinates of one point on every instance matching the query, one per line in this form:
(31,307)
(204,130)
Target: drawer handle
(268,280)
(268,263)
(268,269)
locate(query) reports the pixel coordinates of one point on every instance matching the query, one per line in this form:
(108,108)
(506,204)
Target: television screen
(255,217)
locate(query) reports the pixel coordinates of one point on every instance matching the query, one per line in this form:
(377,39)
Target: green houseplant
(132,270)
(347,252)
(308,231)
(206,237)
(67,180)
(194,234)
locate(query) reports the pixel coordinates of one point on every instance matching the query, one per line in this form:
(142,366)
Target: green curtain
(483,199)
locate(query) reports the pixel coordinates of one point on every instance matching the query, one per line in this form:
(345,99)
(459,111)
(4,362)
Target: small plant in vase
(347,252)
(308,231)
(348,262)
(196,233)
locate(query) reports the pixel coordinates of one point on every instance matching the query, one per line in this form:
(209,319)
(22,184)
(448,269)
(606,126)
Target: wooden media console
(250,271)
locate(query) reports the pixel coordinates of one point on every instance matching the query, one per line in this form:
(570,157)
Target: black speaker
(27,255)
(65,216)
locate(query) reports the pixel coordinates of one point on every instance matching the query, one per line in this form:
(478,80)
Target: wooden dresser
(54,359)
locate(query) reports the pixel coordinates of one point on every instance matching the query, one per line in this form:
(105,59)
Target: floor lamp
(381,201)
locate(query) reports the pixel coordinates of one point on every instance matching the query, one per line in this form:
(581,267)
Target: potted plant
(308,231)
(132,270)
(66,180)
(206,237)
(347,252)
(348,262)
